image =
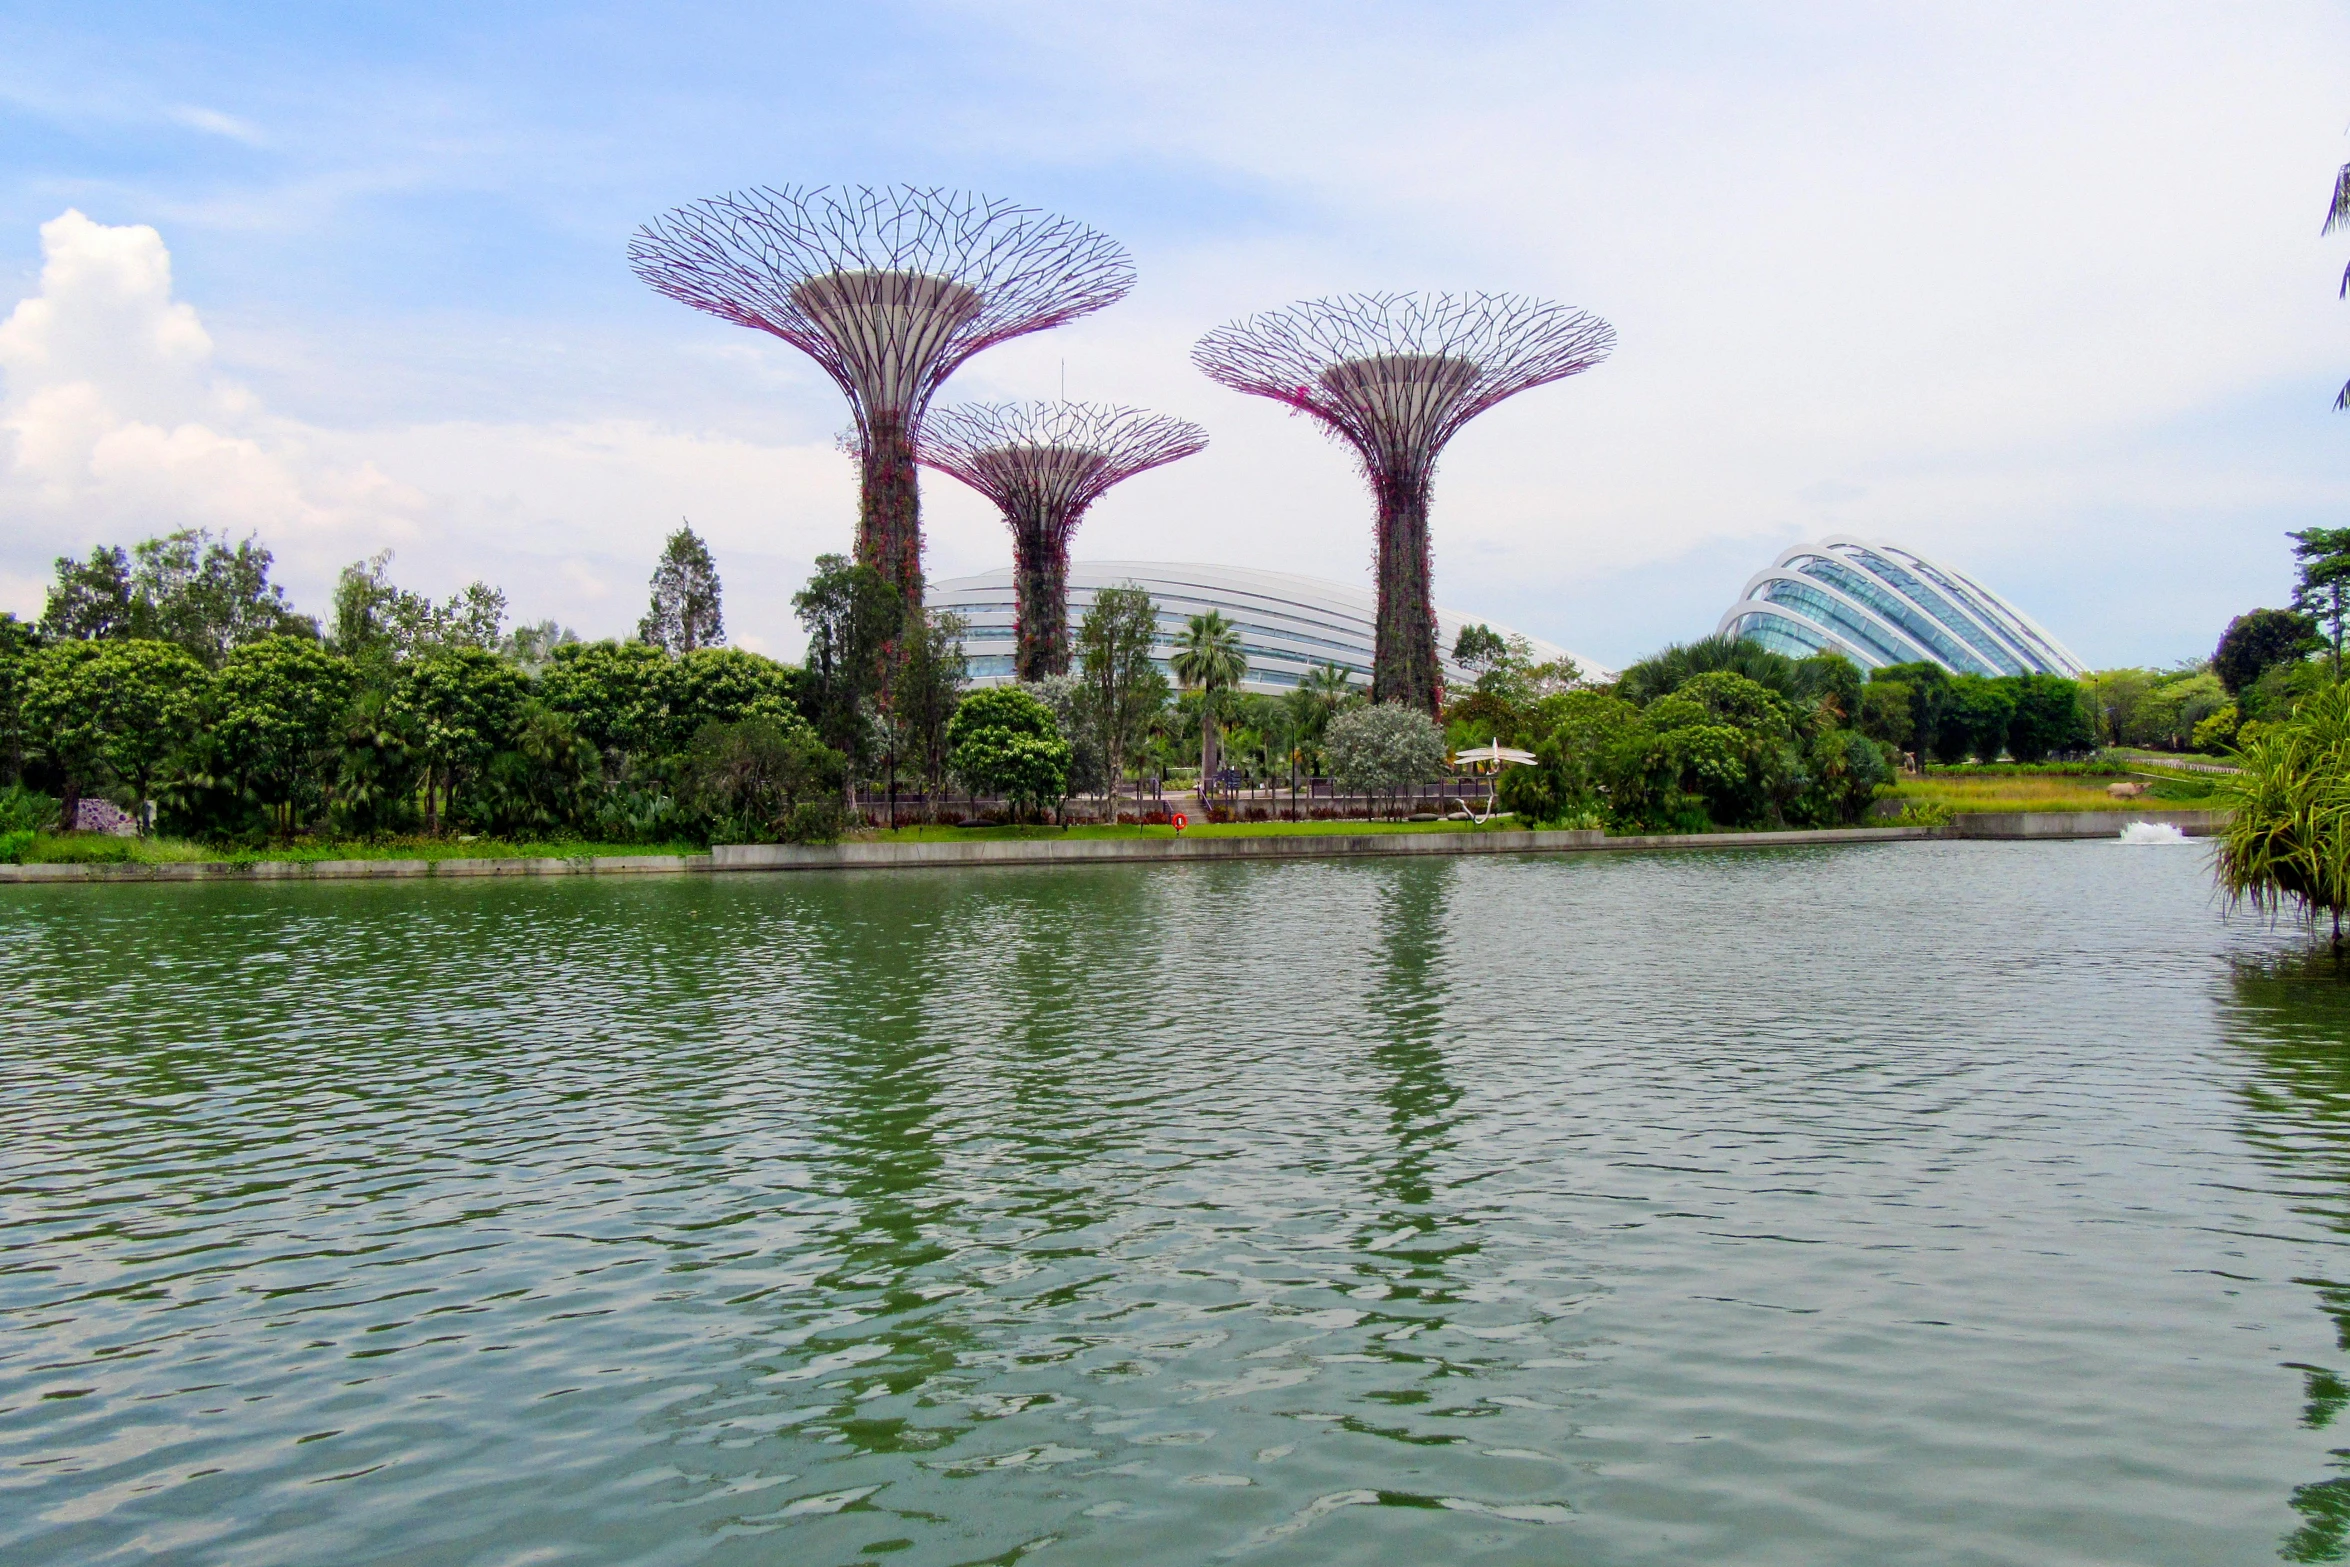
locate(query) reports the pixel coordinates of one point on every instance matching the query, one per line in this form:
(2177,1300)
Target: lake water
(1920,1203)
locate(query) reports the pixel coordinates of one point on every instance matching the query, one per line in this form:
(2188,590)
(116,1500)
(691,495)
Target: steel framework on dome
(1396,376)
(1043,464)
(890,290)
(1880,604)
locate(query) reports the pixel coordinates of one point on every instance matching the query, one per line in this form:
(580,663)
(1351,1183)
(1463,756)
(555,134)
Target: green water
(1936,1203)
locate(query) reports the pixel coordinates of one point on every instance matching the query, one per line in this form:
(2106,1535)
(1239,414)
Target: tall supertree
(1395,376)
(889,290)
(1043,464)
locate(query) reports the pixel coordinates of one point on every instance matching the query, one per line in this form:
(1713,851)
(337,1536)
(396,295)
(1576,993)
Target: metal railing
(1231,797)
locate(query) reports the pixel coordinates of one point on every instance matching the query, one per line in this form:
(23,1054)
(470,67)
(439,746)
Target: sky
(2038,291)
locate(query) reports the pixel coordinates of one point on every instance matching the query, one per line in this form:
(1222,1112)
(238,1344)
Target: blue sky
(2042,294)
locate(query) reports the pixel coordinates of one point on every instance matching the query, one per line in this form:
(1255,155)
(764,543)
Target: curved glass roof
(1288,624)
(1881,604)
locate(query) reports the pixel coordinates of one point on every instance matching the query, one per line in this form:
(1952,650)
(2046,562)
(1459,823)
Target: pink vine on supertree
(1043,464)
(1396,376)
(889,290)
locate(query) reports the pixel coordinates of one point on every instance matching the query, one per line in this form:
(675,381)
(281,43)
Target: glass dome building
(1880,604)
(1288,624)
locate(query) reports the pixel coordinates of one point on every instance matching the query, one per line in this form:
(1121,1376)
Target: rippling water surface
(1950,1203)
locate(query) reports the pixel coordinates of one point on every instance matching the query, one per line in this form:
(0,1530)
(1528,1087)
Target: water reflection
(2291,1013)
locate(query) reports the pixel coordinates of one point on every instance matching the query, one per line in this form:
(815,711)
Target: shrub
(26,810)
(765,781)
(2287,840)
(13,845)
(1376,750)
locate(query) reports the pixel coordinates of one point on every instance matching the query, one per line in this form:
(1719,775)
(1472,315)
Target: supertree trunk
(1404,665)
(889,510)
(1040,578)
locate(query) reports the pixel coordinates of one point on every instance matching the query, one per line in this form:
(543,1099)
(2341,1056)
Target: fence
(1147,800)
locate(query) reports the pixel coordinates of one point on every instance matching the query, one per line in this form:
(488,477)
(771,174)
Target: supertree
(889,290)
(1043,464)
(1395,376)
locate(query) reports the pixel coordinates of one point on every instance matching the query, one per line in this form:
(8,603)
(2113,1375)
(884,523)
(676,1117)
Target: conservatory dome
(1288,624)
(1880,604)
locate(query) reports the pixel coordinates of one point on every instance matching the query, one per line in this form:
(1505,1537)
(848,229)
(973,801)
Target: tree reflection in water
(1406,1012)
(2292,1015)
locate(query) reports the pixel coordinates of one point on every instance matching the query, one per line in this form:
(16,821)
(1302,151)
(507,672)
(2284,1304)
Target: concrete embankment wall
(2077,824)
(1103,851)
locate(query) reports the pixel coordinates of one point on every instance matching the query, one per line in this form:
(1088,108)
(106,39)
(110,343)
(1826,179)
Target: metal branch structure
(890,290)
(1396,376)
(1043,464)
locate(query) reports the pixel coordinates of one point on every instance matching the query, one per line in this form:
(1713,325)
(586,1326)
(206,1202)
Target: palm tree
(1208,660)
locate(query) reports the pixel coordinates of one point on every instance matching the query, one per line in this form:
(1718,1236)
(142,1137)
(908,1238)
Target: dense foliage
(174,680)
(1381,749)
(1003,741)
(1715,734)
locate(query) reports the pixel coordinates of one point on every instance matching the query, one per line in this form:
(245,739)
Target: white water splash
(2152,832)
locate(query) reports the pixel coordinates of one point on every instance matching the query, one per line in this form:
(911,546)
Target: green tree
(1479,648)
(91,600)
(2256,641)
(718,685)
(1064,697)
(18,643)
(461,704)
(2321,560)
(765,780)
(1208,659)
(533,646)
(1004,742)
(375,764)
(1123,686)
(379,622)
(194,589)
(277,709)
(1885,713)
(1975,720)
(685,612)
(852,614)
(2114,696)
(188,588)
(925,684)
(1383,748)
(1929,698)
(1661,674)
(614,691)
(2051,715)
(1589,764)
(543,777)
(1727,742)
(112,710)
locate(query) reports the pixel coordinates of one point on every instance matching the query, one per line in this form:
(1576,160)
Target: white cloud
(116,424)
(216,123)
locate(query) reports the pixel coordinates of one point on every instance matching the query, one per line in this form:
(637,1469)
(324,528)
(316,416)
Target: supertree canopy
(1043,464)
(889,290)
(1395,376)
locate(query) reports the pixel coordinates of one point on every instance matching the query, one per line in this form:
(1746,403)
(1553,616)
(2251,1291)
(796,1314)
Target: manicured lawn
(2047,792)
(1203,830)
(97,848)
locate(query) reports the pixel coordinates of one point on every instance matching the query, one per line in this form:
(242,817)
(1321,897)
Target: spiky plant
(2286,845)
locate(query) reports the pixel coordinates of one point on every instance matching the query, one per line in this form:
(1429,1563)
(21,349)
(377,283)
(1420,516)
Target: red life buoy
(1181,821)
